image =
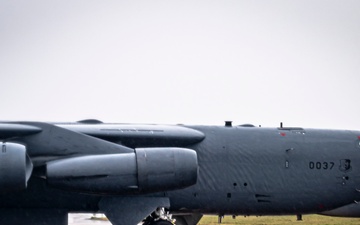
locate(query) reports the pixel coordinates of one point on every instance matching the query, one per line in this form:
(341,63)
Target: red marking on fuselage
(282,134)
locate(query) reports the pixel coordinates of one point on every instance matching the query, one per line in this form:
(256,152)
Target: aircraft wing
(94,161)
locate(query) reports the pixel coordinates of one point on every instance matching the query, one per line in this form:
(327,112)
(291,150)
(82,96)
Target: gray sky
(192,62)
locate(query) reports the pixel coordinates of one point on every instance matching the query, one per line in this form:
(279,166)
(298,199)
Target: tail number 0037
(321,165)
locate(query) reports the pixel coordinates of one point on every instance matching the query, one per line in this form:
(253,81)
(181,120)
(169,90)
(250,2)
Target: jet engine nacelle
(15,167)
(146,170)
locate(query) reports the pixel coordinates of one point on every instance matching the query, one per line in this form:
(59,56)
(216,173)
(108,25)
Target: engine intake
(15,167)
(147,170)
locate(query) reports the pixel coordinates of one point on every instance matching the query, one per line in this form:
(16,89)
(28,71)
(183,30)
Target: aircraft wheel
(180,220)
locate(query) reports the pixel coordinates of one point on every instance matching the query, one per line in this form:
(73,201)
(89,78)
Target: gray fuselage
(241,170)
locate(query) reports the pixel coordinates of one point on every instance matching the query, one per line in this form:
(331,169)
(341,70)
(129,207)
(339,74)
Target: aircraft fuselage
(242,170)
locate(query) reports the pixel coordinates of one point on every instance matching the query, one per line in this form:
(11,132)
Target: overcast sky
(191,62)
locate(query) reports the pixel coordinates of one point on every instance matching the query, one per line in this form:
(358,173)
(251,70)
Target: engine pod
(147,170)
(102,174)
(15,167)
(166,168)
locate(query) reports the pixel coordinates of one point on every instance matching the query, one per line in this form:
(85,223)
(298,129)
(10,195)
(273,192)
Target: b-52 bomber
(158,174)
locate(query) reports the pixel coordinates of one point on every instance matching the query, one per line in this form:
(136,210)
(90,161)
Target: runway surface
(84,219)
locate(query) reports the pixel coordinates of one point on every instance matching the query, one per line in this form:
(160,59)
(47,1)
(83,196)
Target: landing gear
(159,217)
(180,220)
(299,217)
(188,219)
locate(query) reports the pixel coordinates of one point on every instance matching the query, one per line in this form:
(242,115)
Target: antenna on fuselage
(228,123)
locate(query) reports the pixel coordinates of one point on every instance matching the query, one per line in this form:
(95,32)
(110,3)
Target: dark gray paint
(242,170)
(125,173)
